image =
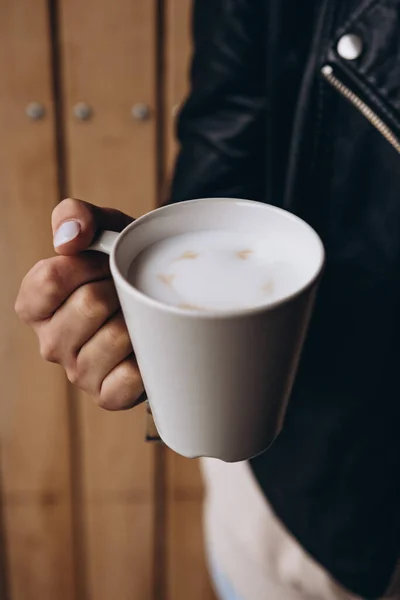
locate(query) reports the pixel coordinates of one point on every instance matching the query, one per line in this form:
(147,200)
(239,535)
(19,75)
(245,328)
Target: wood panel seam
(75,447)
(4,584)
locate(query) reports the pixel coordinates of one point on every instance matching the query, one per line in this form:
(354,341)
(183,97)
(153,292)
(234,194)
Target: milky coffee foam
(215,271)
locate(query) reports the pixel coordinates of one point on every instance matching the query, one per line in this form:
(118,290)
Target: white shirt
(251,546)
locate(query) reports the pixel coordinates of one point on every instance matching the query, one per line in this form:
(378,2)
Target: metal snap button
(350,46)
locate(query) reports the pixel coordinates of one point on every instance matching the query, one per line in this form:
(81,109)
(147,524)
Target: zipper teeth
(364,109)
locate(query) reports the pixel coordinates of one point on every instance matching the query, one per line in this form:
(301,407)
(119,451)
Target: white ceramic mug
(218,383)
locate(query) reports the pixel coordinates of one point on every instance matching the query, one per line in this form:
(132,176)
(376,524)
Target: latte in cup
(217,294)
(216,271)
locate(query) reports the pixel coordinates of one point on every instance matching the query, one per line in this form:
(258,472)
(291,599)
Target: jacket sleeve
(221,128)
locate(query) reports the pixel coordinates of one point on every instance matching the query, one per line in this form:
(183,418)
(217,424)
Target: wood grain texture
(4,589)
(129,544)
(33,395)
(118,503)
(108,55)
(187,575)
(109,60)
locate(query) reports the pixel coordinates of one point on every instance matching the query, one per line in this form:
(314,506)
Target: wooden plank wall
(108,62)
(34,416)
(88,511)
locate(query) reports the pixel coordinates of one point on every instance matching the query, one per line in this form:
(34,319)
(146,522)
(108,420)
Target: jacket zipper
(364,109)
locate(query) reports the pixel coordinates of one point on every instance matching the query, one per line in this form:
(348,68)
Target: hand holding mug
(71,303)
(216,294)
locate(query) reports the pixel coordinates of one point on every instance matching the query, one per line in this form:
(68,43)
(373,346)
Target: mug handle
(105,243)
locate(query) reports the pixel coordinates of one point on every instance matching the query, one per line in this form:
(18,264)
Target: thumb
(75,224)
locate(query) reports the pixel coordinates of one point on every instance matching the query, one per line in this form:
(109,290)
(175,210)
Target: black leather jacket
(285,109)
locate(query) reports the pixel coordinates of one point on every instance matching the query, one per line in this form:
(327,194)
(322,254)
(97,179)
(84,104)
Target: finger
(53,280)
(75,224)
(102,353)
(123,387)
(77,321)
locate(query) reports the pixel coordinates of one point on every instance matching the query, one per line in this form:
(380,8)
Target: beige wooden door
(108,58)
(88,510)
(34,409)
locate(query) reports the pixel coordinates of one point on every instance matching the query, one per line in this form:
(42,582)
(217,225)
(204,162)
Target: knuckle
(48,348)
(44,271)
(20,307)
(89,304)
(74,374)
(104,402)
(130,375)
(125,391)
(83,375)
(47,280)
(117,334)
(116,402)
(38,288)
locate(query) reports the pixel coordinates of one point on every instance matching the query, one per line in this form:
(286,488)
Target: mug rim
(214,314)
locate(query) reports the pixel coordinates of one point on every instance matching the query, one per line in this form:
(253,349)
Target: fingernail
(67,232)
